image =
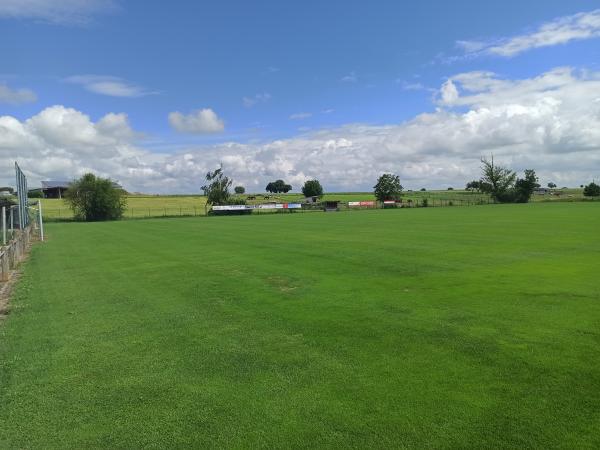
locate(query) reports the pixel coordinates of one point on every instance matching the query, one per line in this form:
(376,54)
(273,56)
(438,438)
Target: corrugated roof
(55,184)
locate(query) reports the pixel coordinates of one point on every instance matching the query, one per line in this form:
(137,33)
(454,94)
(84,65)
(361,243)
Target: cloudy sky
(153,94)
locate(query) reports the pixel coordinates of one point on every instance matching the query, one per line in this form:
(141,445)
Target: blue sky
(292,76)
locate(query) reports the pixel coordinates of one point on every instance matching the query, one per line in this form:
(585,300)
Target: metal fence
(20,224)
(22,200)
(65,214)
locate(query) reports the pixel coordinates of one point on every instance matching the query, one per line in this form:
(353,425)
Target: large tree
(388,187)
(217,187)
(474,185)
(94,198)
(591,190)
(496,180)
(504,186)
(312,188)
(524,186)
(277,186)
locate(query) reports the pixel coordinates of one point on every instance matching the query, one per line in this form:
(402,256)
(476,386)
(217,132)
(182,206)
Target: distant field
(138,206)
(425,328)
(189,205)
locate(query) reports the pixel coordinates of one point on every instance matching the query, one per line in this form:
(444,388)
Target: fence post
(5,265)
(4,225)
(41,221)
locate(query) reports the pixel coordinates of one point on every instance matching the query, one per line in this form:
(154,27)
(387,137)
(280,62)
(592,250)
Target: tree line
(94,198)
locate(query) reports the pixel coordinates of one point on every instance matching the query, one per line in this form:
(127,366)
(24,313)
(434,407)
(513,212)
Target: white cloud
(550,123)
(109,85)
(16,96)
(585,25)
(201,121)
(300,116)
(350,78)
(328,111)
(249,102)
(448,93)
(74,12)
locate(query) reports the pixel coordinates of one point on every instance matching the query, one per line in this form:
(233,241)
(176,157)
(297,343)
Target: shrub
(93,199)
(239,189)
(424,203)
(35,194)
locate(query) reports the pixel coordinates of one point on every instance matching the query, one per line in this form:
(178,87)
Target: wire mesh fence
(66,214)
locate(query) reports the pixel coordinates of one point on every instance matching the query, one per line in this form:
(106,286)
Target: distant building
(331,206)
(541,191)
(314,199)
(55,189)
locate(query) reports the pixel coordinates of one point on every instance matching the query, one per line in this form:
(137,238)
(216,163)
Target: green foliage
(37,193)
(7,188)
(424,203)
(312,188)
(497,181)
(524,186)
(7,202)
(592,190)
(502,183)
(236,201)
(278,186)
(552,185)
(239,190)
(388,187)
(217,187)
(423,189)
(474,185)
(94,198)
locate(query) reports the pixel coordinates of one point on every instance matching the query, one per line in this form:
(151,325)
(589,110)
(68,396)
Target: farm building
(55,189)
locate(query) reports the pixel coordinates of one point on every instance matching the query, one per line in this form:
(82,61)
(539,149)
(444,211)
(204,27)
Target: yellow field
(138,206)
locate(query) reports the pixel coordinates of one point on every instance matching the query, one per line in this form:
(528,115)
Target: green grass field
(424,328)
(145,206)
